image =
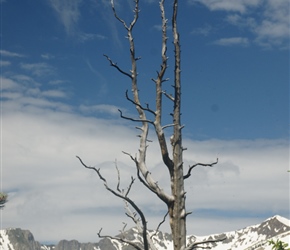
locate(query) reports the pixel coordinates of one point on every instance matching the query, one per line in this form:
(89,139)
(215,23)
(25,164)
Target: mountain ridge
(253,237)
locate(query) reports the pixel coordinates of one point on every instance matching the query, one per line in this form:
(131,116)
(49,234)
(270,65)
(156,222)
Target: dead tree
(173,162)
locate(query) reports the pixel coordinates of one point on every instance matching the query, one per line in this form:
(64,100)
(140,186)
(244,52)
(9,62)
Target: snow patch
(283,220)
(4,241)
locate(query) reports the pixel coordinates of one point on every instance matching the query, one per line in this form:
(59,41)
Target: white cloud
(10,54)
(232,41)
(48,188)
(68,13)
(38,69)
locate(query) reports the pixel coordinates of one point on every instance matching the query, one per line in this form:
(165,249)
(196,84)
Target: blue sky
(59,98)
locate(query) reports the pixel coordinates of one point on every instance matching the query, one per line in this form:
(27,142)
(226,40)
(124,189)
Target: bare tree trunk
(177,210)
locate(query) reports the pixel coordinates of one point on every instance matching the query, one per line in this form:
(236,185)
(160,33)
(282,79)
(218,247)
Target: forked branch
(148,180)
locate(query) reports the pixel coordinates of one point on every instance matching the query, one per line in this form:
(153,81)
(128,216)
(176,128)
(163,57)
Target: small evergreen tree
(3,199)
(278,245)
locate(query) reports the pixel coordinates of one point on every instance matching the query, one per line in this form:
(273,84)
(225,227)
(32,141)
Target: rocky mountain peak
(249,238)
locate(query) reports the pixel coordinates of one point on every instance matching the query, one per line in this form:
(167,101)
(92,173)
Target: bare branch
(170,97)
(118,171)
(159,225)
(117,67)
(188,213)
(133,216)
(199,164)
(168,126)
(140,106)
(93,168)
(117,17)
(130,186)
(132,158)
(133,119)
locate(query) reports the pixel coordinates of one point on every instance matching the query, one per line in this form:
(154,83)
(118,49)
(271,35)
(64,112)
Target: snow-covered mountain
(250,238)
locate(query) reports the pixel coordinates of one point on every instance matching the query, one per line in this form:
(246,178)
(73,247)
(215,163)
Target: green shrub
(278,245)
(3,198)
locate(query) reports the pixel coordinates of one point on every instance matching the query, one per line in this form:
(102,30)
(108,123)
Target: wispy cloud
(54,93)
(56,82)
(267,20)
(112,23)
(232,41)
(101,79)
(4,63)
(8,84)
(84,37)
(22,91)
(228,5)
(159,27)
(68,13)
(47,56)
(38,69)
(10,54)
(151,1)
(205,30)
(102,108)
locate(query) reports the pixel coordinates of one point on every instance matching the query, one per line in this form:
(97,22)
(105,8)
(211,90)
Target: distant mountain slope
(250,238)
